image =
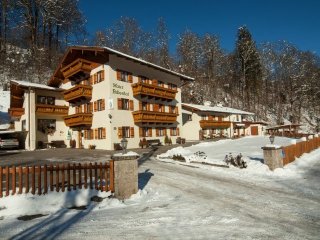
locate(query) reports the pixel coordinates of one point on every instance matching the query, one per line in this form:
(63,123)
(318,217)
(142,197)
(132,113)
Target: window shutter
(91,107)
(139,79)
(130,78)
(148,106)
(102,75)
(157,132)
(119,132)
(119,103)
(140,105)
(140,132)
(150,132)
(178,132)
(91,134)
(95,78)
(156,107)
(103,104)
(176,110)
(119,75)
(96,133)
(171,133)
(131,105)
(91,80)
(95,106)
(132,132)
(103,133)
(154,82)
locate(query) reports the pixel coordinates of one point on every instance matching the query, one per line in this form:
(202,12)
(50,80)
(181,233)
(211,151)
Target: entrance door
(254,130)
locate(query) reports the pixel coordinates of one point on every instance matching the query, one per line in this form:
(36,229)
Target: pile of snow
(128,154)
(28,204)
(249,147)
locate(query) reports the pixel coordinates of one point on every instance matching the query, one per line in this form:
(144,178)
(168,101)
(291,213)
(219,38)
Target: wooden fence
(41,179)
(296,150)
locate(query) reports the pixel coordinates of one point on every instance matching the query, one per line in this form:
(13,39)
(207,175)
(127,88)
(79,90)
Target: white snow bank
(28,204)
(250,148)
(126,154)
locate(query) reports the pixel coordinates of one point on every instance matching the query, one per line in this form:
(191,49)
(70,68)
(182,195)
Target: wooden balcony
(204,124)
(78,93)
(153,90)
(52,109)
(16,112)
(79,120)
(154,117)
(78,70)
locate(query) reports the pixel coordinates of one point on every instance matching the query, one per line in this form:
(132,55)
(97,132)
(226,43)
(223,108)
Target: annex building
(96,97)
(206,122)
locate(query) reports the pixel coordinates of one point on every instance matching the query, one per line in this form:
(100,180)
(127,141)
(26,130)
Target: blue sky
(268,20)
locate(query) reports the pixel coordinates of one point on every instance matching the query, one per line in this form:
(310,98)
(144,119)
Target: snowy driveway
(183,202)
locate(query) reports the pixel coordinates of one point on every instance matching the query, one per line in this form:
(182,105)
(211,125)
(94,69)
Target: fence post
(125,175)
(273,157)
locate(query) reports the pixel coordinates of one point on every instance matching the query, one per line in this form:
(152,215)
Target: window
(100,76)
(125,104)
(160,132)
(46,125)
(23,125)
(144,80)
(160,83)
(88,134)
(100,133)
(161,108)
(145,132)
(99,105)
(174,131)
(144,106)
(45,100)
(87,107)
(125,132)
(172,86)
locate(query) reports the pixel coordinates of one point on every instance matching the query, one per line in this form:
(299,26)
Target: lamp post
(271,138)
(124,144)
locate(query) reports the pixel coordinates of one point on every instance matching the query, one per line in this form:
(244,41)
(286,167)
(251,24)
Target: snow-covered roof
(219,109)
(148,63)
(35,85)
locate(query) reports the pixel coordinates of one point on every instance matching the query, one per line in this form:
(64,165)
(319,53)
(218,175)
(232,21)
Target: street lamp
(271,138)
(124,144)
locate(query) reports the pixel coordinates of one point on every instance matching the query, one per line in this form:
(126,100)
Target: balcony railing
(214,124)
(154,117)
(79,120)
(78,93)
(153,90)
(16,112)
(52,109)
(78,69)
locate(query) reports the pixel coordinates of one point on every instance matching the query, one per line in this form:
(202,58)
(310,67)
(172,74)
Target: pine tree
(249,70)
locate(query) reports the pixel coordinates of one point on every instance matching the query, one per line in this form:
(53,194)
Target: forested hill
(276,80)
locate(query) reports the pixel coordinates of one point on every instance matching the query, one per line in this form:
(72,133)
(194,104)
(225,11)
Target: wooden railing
(154,117)
(214,124)
(78,65)
(153,90)
(41,179)
(296,150)
(16,112)
(52,109)
(77,93)
(78,119)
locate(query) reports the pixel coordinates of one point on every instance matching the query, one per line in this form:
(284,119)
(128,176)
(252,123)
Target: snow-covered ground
(185,201)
